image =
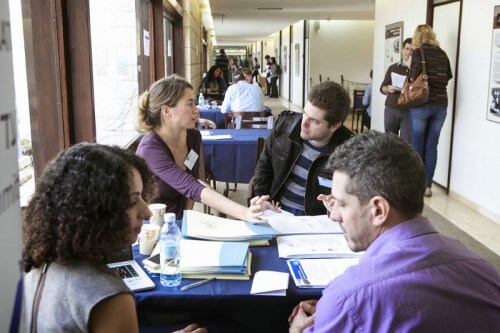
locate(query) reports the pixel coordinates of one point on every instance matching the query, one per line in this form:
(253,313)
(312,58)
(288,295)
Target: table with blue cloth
(214,114)
(221,305)
(233,160)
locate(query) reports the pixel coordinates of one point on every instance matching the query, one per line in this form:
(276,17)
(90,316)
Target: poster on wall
(393,43)
(493,112)
(284,63)
(297,59)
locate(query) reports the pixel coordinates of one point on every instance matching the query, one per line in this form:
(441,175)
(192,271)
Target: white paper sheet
(398,80)
(270,283)
(295,225)
(282,213)
(315,246)
(217,137)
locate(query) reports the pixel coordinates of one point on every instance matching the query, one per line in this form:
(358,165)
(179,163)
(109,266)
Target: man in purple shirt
(411,278)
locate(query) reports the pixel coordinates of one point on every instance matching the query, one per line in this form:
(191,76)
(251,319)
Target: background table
(233,161)
(214,115)
(224,305)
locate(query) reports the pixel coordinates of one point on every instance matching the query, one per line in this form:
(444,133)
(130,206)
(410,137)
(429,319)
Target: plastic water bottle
(170,237)
(201,100)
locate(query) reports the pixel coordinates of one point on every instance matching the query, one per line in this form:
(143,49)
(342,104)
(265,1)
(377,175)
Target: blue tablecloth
(222,304)
(215,115)
(233,160)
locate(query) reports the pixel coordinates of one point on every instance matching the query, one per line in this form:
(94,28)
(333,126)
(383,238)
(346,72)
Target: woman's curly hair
(78,211)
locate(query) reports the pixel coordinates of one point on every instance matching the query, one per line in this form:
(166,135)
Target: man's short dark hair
(222,51)
(407,41)
(267,56)
(332,98)
(385,165)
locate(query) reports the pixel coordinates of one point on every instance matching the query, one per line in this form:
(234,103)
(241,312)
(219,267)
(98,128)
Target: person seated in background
(214,81)
(89,203)
(172,148)
(243,95)
(290,168)
(411,278)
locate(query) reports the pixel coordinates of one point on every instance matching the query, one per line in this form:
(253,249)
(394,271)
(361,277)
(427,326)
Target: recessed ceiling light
(269,8)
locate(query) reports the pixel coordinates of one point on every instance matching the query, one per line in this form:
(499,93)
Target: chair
(260,147)
(243,120)
(203,123)
(357,110)
(249,119)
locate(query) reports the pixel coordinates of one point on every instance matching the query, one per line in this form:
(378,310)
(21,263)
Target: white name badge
(325,182)
(191,159)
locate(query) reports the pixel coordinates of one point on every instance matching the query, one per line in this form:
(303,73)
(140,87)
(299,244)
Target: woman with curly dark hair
(89,203)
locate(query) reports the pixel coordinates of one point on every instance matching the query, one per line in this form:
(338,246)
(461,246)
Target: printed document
(209,227)
(397,80)
(315,246)
(297,225)
(317,273)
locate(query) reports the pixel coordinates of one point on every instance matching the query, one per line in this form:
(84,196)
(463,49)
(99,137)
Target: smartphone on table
(152,262)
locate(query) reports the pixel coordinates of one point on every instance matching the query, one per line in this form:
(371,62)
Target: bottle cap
(169,217)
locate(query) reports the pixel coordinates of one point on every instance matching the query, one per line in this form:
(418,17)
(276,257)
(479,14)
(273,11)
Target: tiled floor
(485,230)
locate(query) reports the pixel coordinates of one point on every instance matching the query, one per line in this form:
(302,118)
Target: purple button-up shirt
(412,279)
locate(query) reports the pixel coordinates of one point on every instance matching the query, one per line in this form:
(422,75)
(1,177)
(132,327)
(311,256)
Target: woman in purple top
(172,148)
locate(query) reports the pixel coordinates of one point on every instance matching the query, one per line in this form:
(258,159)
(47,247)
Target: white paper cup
(157,211)
(148,238)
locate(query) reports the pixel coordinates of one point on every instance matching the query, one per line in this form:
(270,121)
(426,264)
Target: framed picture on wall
(393,43)
(493,111)
(285,58)
(297,59)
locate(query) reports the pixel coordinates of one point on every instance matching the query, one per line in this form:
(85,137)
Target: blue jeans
(426,122)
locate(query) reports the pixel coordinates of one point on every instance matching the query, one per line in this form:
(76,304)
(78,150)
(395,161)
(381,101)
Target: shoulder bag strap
(424,67)
(36,298)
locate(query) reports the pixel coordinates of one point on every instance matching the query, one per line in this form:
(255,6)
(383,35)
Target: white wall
(475,156)
(341,47)
(268,48)
(10,211)
(412,13)
(297,58)
(285,63)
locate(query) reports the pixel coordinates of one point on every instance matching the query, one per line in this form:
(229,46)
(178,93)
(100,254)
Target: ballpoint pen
(196,284)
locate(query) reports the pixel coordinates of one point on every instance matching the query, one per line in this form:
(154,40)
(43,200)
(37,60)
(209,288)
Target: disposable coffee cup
(148,238)
(157,211)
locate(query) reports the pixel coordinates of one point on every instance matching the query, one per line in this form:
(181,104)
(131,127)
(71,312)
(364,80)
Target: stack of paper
(212,257)
(204,257)
(315,246)
(204,226)
(317,273)
(201,259)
